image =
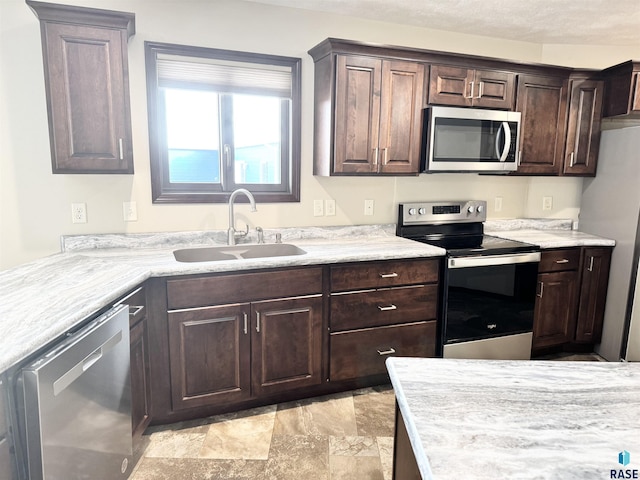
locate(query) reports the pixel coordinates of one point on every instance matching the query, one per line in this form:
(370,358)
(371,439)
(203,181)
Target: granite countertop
(41,300)
(490,419)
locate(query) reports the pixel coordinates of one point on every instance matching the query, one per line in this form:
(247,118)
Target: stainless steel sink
(236,252)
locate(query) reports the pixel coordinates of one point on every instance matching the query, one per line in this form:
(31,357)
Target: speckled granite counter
(41,300)
(546,233)
(488,419)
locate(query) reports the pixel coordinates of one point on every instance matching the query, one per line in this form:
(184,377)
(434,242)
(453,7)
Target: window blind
(224,75)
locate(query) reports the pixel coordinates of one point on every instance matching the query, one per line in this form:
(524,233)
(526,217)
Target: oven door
(489,297)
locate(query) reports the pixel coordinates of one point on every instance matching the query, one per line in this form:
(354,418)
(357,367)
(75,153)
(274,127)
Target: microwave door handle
(507,143)
(498,154)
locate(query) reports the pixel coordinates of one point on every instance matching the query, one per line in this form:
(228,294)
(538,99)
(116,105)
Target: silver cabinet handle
(121,148)
(246,322)
(386,151)
(135,309)
(388,275)
(571,158)
(471,90)
(541,293)
(480,89)
(376,156)
(258,322)
(386,352)
(590,267)
(564,260)
(387,308)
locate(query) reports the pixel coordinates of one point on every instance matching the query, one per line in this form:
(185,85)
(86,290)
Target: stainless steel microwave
(470,140)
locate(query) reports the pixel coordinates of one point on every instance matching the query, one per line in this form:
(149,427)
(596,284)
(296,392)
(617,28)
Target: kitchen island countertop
(490,419)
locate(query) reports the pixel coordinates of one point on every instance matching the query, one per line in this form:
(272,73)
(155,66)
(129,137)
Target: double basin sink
(236,252)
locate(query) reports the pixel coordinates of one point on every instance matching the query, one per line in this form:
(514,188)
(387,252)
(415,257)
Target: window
(221,120)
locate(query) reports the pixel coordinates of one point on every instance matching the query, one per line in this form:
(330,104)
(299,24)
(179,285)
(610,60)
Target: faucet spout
(231,233)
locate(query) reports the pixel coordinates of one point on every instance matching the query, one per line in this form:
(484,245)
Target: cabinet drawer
(387,306)
(559,260)
(383,274)
(203,291)
(361,353)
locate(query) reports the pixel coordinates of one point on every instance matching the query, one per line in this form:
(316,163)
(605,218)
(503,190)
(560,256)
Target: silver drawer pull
(388,275)
(135,309)
(387,308)
(386,352)
(564,260)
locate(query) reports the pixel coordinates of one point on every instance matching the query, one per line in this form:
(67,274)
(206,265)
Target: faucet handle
(260,234)
(241,234)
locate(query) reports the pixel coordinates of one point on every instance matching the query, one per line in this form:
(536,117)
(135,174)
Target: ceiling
(579,22)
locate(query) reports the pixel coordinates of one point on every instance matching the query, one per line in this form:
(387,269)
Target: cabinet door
(494,89)
(543,103)
(593,294)
(401,105)
(209,355)
(357,118)
(88,99)
(287,344)
(450,86)
(140,386)
(555,310)
(583,130)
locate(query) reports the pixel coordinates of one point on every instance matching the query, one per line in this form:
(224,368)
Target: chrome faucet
(231,233)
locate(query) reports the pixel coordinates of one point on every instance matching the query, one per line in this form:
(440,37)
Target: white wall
(35,205)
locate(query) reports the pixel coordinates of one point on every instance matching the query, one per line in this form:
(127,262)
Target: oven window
(490,301)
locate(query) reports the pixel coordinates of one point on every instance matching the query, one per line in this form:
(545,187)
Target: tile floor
(343,436)
(346,436)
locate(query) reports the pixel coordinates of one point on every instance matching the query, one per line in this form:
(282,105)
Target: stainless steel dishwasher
(77,400)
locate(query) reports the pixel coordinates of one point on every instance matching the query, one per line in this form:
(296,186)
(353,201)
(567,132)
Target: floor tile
(174,444)
(197,469)
(385,448)
(353,446)
(329,415)
(374,412)
(350,468)
(247,437)
(297,457)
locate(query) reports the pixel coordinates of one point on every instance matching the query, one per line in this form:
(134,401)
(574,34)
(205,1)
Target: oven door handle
(490,260)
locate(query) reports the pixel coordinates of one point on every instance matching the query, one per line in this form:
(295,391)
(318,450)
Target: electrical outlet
(129,211)
(330,207)
(547,203)
(497,204)
(368,207)
(78,213)
(318,208)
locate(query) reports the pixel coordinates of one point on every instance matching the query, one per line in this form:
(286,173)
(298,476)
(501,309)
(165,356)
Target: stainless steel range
(489,283)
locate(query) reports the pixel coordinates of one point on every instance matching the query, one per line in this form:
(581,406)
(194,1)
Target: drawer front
(559,260)
(383,274)
(203,291)
(387,306)
(361,353)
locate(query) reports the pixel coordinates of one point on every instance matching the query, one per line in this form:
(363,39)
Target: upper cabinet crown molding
(87,86)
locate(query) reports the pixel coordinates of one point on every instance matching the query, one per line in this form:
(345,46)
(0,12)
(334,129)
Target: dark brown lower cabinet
(593,294)
(572,291)
(230,353)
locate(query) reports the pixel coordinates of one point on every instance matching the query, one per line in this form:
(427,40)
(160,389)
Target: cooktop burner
(456,227)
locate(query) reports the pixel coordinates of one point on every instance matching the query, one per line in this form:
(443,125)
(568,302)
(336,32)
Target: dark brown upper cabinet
(583,127)
(373,125)
(542,101)
(622,89)
(465,87)
(87,87)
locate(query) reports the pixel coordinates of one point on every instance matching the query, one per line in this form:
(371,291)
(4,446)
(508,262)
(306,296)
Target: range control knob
(480,209)
(471,209)
(422,211)
(412,211)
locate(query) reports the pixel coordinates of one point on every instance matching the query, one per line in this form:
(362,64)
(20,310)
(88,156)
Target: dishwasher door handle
(85,364)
